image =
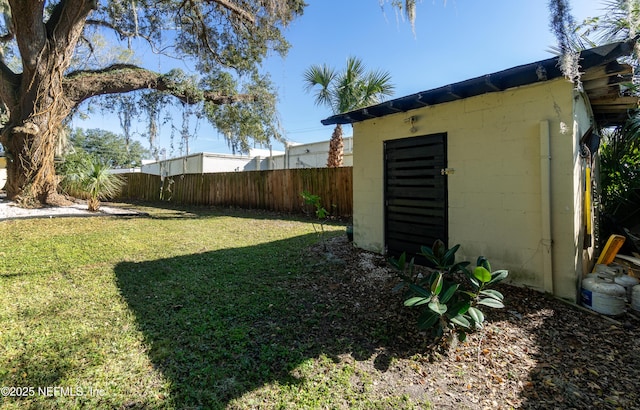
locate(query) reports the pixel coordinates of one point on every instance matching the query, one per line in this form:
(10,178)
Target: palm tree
(619,166)
(353,88)
(92,179)
(620,22)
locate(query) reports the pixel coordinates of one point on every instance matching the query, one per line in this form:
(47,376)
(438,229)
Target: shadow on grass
(169,210)
(223,323)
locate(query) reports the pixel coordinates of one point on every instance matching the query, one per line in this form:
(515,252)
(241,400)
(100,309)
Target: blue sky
(453,42)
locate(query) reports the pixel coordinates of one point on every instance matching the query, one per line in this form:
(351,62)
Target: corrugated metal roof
(601,81)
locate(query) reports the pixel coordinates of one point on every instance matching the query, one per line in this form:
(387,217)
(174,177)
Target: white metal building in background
(312,155)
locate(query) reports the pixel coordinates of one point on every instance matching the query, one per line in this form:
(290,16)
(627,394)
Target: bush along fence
(276,190)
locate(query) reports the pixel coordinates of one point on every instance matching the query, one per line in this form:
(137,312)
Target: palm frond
(620,21)
(354,71)
(349,89)
(377,85)
(631,131)
(322,76)
(99,181)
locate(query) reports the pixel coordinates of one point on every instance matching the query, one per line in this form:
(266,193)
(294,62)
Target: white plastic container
(635,298)
(618,269)
(603,295)
(601,268)
(600,275)
(628,282)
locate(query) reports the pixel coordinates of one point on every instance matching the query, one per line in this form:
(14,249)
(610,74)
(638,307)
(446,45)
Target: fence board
(276,190)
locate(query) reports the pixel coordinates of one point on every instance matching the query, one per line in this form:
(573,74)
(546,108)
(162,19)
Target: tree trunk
(336,147)
(30,150)
(35,97)
(30,170)
(30,137)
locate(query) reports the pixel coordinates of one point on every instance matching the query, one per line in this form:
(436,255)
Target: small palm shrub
(451,296)
(92,180)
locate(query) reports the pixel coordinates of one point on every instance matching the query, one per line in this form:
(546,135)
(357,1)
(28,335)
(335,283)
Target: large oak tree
(44,76)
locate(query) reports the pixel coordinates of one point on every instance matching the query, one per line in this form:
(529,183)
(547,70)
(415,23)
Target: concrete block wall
(494,194)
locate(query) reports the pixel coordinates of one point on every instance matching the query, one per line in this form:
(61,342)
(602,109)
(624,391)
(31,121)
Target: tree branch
(67,21)
(121,33)
(127,35)
(27,20)
(235,9)
(5,38)
(122,78)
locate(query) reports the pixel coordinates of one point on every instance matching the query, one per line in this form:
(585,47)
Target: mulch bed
(537,352)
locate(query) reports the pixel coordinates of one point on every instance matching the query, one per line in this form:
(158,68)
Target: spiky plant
(353,88)
(92,179)
(620,172)
(620,150)
(620,22)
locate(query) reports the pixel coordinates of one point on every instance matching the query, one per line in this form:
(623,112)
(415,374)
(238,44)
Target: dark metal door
(415,193)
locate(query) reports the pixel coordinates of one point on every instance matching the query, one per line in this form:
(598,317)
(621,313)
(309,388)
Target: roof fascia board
(543,70)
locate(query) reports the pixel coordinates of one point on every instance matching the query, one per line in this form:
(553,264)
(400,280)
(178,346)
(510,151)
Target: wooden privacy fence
(276,190)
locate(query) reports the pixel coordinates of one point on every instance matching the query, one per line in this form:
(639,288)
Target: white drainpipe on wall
(545,202)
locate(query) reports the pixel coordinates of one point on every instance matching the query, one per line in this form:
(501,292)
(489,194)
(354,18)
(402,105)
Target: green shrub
(443,259)
(450,296)
(620,173)
(91,179)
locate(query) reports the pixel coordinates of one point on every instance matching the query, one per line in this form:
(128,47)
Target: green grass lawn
(183,310)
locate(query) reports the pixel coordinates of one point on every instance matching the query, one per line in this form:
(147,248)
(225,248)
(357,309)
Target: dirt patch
(537,352)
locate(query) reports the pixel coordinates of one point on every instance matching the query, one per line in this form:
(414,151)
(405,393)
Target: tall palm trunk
(336,148)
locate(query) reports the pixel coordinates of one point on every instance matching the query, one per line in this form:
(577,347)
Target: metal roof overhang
(601,81)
